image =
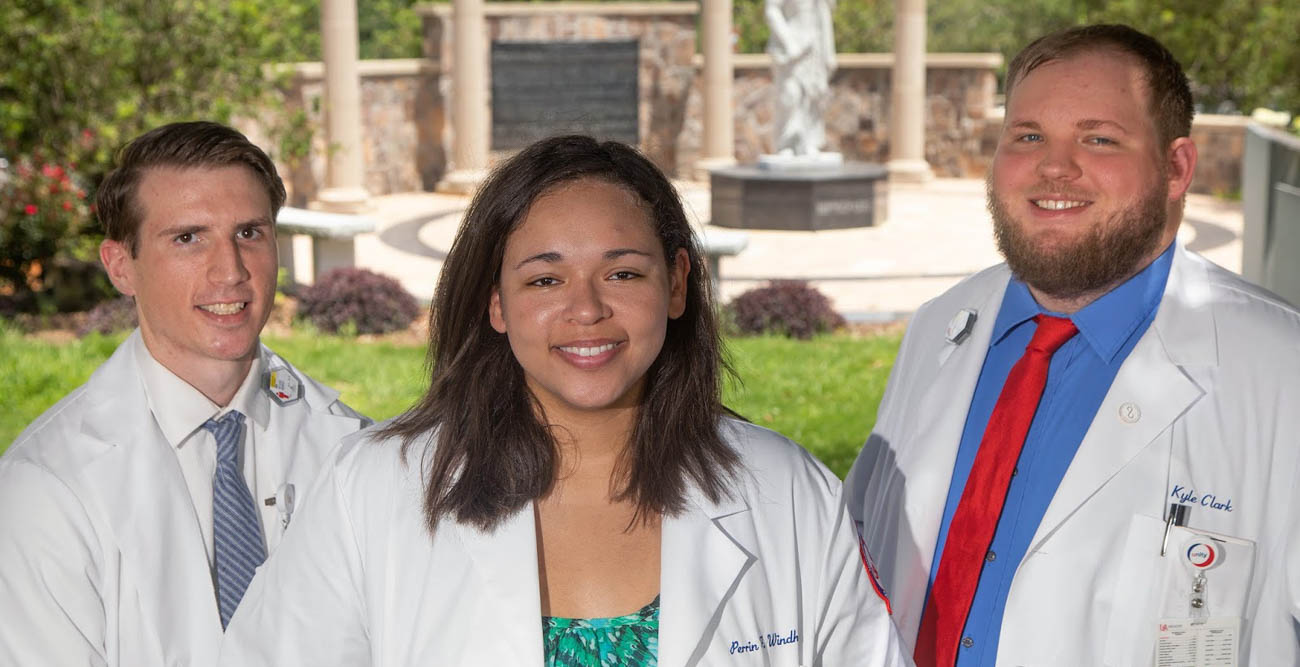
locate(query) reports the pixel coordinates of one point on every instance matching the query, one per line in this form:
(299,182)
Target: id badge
(1187,642)
(1203,632)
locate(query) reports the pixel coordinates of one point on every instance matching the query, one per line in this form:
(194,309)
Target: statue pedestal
(853,194)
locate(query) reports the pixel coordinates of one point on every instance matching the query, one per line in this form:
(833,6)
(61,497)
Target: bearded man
(1088,455)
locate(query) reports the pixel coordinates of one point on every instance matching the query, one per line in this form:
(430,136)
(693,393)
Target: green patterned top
(622,641)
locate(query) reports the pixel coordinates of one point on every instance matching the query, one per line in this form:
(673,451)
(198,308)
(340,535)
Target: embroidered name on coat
(765,641)
(1188,496)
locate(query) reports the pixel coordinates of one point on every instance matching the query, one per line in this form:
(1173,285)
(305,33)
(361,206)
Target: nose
(586,304)
(1058,163)
(226,263)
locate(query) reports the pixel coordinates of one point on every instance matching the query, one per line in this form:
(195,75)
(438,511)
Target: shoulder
(368,460)
(973,289)
(774,465)
(1248,319)
(57,439)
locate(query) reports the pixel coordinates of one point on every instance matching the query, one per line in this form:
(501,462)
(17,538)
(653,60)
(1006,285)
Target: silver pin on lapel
(960,326)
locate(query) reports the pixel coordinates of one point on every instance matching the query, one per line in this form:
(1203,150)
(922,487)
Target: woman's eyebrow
(549,257)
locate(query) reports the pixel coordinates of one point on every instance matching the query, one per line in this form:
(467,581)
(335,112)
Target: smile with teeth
(224,308)
(1058,204)
(589,351)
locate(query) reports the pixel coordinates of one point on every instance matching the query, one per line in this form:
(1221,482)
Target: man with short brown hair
(1088,455)
(134,512)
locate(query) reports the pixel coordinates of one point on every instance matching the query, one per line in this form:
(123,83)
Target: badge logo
(1203,555)
(282,386)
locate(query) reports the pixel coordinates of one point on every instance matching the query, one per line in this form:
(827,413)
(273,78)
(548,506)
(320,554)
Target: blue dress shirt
(1080,374)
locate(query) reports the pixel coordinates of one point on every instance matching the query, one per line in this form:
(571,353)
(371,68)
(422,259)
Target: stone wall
(666,34)
(402,120)
(960,89)
(1220,147)
(406,130)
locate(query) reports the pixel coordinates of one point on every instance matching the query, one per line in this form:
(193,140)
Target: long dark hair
(493,454)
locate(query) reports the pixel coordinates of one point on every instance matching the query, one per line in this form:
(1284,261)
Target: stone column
(345,173)
(719,120)
(907,118)
(469,113)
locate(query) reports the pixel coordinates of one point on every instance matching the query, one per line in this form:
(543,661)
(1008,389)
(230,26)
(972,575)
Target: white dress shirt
(181,410)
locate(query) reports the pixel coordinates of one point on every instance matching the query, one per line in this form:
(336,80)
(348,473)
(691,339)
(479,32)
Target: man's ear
(117,260)
(1181,165)
(494,311)
(677,284)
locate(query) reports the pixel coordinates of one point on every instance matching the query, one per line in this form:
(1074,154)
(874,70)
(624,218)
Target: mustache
(1040,190)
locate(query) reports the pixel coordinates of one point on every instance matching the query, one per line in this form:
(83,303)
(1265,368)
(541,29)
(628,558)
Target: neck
(218,381)
(591,447)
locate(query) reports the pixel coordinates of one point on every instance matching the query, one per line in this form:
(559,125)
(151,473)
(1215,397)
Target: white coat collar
(180,409)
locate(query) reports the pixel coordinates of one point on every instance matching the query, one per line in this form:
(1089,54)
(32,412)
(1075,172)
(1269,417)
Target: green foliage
(388,29)
(822,393)
(115,69)
(1240,54)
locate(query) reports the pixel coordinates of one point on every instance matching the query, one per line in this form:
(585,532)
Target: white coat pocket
(1152,587)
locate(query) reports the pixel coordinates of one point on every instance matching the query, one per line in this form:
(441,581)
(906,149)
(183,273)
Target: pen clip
(1177,517)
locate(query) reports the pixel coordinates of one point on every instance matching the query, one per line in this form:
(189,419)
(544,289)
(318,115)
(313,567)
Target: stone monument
(802,48)
(800,186)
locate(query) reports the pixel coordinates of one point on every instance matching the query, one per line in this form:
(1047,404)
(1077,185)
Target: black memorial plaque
(541,89)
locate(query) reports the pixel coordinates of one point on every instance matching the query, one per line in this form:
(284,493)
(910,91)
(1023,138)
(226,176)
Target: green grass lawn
(822,393)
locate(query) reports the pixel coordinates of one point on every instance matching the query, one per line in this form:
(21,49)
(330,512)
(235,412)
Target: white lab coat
(1205,409)
(362,582)
(101,557)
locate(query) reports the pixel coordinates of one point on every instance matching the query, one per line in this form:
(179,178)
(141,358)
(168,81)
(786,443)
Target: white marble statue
(802,47)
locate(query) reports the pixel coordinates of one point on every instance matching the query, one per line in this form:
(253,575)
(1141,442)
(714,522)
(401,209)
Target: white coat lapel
(704,553)
(941,419)
(139,483)
(314,428)
(1150,391)
(506,558)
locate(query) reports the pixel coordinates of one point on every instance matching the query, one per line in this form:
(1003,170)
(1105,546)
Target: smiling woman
(570,490)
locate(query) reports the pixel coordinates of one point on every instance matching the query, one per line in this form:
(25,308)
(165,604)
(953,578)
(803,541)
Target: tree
(82,76)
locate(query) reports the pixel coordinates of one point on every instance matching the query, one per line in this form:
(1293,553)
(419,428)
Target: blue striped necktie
(236,533)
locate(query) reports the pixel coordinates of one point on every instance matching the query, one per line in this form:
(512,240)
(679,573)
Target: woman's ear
(494,311)
(677,284)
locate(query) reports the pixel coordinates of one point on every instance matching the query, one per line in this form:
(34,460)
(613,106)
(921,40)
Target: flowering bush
(791,308)
(357,300)
(42,210)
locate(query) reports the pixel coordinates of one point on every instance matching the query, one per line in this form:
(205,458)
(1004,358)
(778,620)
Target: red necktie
(972,526)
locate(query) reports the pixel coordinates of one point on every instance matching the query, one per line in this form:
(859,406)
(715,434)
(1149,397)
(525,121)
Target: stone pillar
(907,118)
(345,173)
(719,119)
(470,113)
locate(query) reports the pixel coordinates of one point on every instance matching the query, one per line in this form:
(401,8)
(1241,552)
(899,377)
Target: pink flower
(30,209)
(67,206)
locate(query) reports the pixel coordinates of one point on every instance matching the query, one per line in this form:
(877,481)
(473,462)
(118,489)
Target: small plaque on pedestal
(833,197)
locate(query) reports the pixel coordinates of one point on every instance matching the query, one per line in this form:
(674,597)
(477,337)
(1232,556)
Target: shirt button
(967,642)
(990,556)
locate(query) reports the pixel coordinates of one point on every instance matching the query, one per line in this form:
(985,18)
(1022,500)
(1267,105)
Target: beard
(1107,255)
